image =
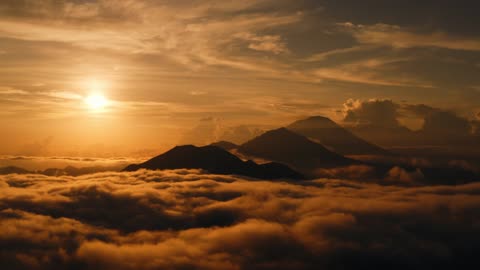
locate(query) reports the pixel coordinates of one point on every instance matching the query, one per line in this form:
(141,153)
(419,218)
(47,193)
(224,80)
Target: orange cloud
(397,37)
(185,219)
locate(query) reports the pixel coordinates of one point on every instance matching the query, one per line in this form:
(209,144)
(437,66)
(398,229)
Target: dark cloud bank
(185,219)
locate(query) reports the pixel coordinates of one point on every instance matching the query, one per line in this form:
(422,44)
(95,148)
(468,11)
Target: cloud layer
(184,219)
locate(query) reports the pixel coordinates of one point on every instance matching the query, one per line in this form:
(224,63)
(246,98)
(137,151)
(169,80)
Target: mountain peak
(319,118)
(214,160)
(285,146)
(335,137)
(280,133)
(315,122)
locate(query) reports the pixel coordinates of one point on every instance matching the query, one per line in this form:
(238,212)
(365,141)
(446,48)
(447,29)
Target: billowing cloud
(375,111)
(205,132)
(399,175)
(387,113)
(185,219)
(440,122)
(240,134)
(389,123)
(444,122)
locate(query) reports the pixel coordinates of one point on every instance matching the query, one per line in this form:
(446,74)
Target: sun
(96,102)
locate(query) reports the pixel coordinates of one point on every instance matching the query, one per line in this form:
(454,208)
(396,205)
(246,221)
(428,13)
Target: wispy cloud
(398,37)
(324,55)
(268,43)
(370,71)
(11,91)
(185,35)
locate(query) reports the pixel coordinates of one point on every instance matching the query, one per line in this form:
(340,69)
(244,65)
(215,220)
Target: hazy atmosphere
(250,134)
(165,66)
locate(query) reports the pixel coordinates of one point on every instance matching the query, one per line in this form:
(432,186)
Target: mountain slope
(225,145)
(285,146)
(335,137)
(214,160)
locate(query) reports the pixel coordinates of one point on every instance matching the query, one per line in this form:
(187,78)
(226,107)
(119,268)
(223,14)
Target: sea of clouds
(186,219)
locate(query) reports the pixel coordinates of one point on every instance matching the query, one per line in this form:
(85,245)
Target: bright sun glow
(96,101)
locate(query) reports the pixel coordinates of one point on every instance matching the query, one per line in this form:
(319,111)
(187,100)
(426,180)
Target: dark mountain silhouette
(214,160)
(53,172)
(285,146)
(385,136)
(225,145)
(335,137)
(13,169)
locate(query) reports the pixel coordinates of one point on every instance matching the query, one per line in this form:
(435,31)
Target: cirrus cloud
(398,37)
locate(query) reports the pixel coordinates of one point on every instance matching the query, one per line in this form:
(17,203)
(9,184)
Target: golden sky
(105,77)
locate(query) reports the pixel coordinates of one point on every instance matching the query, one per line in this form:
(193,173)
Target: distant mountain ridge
(13,170)
(214,160)
(285,146)
(225,145)
(336,138)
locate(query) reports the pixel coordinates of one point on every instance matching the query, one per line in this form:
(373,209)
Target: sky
(156,69)
(89,87)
